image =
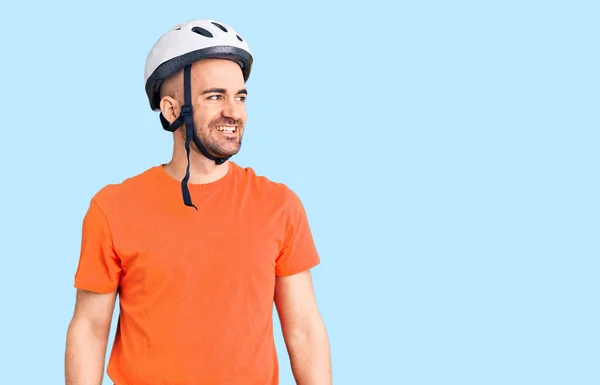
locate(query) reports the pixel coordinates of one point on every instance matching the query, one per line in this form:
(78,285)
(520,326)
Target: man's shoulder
(269,189)
(125,189)
(264,184)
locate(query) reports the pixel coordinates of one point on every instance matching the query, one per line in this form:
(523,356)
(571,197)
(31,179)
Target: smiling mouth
(227,129)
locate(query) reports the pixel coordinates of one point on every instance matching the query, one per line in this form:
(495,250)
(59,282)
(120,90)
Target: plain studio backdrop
(446,154)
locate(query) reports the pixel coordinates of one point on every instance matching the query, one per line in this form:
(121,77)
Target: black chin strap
(187,116)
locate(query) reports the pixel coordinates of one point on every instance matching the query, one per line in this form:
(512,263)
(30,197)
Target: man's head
(218,101)
(202,55)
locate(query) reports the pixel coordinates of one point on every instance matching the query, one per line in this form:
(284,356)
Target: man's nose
(232,109)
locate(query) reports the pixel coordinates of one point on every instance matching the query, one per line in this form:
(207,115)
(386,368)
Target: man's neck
(202,170)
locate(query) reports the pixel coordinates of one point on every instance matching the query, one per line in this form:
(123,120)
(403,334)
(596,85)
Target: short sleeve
(99,268)
(298,252)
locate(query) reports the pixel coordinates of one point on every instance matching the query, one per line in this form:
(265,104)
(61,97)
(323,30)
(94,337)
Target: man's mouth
(227,129)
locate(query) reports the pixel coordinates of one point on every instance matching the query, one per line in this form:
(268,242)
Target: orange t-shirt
(195,287)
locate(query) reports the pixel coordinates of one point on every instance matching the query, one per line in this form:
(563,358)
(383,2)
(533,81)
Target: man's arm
(303,329)
(87,338)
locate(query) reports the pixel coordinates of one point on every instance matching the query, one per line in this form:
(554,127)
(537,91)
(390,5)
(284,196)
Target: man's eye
(242,98)
(214,97)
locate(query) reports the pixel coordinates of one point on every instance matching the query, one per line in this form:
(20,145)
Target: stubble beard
(219,148)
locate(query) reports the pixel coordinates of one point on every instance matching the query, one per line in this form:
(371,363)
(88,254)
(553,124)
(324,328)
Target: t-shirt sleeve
(298,252)
(99,268)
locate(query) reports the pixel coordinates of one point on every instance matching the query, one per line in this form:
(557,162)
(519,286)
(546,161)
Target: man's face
(218,97)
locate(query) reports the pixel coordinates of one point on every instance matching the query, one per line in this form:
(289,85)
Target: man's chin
(224,153)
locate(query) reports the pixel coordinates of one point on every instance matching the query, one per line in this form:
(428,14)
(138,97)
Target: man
(199,248)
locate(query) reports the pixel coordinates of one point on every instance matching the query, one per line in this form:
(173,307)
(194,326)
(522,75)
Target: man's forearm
(84,355)
(310,356)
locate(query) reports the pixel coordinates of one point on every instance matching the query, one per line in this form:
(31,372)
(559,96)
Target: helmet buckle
(186,110)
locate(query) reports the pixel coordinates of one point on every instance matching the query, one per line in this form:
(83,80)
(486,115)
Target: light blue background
(446,153)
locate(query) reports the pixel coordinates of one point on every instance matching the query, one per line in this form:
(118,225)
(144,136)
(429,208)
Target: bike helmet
(178,49)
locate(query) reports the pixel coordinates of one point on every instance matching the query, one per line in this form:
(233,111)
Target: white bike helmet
(177,49)
(188,42)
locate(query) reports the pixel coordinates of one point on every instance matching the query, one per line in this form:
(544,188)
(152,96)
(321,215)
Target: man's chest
(227,247)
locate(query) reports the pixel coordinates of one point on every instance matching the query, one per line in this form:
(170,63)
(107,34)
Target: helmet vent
(219,26)
(202,31)
(239,38)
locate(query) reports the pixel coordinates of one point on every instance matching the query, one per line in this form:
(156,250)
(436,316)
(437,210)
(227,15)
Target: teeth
(227,129)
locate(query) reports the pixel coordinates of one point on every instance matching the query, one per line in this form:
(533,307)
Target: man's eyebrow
(214,90)
(222,91)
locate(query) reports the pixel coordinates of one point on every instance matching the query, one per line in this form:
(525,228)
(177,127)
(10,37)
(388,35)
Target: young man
(199,248)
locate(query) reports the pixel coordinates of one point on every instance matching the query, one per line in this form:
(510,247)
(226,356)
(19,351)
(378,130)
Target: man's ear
(170,108)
